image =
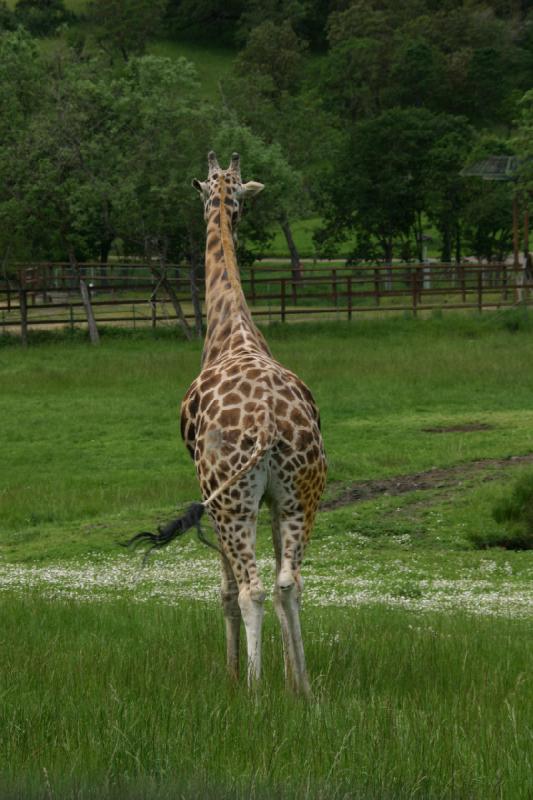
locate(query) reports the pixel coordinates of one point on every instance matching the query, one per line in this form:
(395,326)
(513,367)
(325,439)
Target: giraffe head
(229,182)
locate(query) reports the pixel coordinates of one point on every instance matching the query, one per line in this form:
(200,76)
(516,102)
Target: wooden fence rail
(48,294)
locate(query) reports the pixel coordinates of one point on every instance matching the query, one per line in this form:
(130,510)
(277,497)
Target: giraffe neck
(229,323)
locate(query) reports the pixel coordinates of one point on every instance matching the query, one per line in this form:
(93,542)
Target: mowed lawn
(419,645)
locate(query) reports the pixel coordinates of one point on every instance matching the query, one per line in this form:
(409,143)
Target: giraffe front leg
(232,618)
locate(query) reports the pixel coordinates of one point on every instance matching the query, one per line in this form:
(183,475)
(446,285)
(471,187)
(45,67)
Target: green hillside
(212,63)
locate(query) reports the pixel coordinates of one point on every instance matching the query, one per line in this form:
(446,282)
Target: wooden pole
(283,291)
(516,249)
(526,234)
(23,301)
(377,284)
(516,233)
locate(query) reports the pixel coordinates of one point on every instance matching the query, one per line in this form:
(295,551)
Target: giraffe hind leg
(232,618)
(278,605)
(237,538)
(287,593)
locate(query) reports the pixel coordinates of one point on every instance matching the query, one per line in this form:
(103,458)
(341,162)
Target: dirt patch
(430,479)
(466,428)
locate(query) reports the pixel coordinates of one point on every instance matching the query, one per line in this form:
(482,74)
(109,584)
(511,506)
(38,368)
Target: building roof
(493,168)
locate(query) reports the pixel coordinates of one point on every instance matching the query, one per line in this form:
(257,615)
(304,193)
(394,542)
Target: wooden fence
(129,294)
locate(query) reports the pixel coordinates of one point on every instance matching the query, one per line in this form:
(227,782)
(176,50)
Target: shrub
(514,513)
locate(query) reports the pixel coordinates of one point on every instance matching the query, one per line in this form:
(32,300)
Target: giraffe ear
(250,189)
(200,186)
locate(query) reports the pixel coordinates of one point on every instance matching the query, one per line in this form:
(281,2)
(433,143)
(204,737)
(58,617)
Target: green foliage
(274,52)
(125,26)
(523,142)
(42,17)
(487,211)
(265,163)
(8,21)
(395,166)
(205,20)
(381,60)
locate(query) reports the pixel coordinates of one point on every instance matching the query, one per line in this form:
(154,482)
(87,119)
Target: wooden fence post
(377,286)
(23,302)
(153,305)
(480,290)
(349,298)
(283,293)
(71,315)
(414,290)
(334,288)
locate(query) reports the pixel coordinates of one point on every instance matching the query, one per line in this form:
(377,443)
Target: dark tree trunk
(419,233)
(296,264)
(159,273)
(446,252)
(85,297)
(105,248)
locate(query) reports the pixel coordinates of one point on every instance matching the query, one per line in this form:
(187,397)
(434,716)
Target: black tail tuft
(170,531)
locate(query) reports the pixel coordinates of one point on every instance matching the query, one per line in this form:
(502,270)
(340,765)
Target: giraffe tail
(265,439)
(166,533)
(177,527)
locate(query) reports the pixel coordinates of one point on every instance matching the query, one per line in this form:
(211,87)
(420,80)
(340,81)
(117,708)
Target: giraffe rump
(166,533)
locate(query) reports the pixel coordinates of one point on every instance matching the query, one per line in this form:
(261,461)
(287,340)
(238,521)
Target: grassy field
(419,645)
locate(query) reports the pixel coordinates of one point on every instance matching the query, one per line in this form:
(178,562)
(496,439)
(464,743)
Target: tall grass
(132,701)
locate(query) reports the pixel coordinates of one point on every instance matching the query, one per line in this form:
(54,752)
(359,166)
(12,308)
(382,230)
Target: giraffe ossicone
(253,430)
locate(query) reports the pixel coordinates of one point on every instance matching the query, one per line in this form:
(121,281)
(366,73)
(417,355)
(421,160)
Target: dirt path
(430,479)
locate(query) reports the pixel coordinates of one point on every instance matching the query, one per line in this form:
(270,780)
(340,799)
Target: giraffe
(253,430)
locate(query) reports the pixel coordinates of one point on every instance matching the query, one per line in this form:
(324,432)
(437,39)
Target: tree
(206,19)
(273,52)
(488,211)
(21,79)
(126,26)
(167,134)
(396,167)
(446,192)
(8,21)
(522,143)
(42,17)
(266,163)
(280,14)
(268,95)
